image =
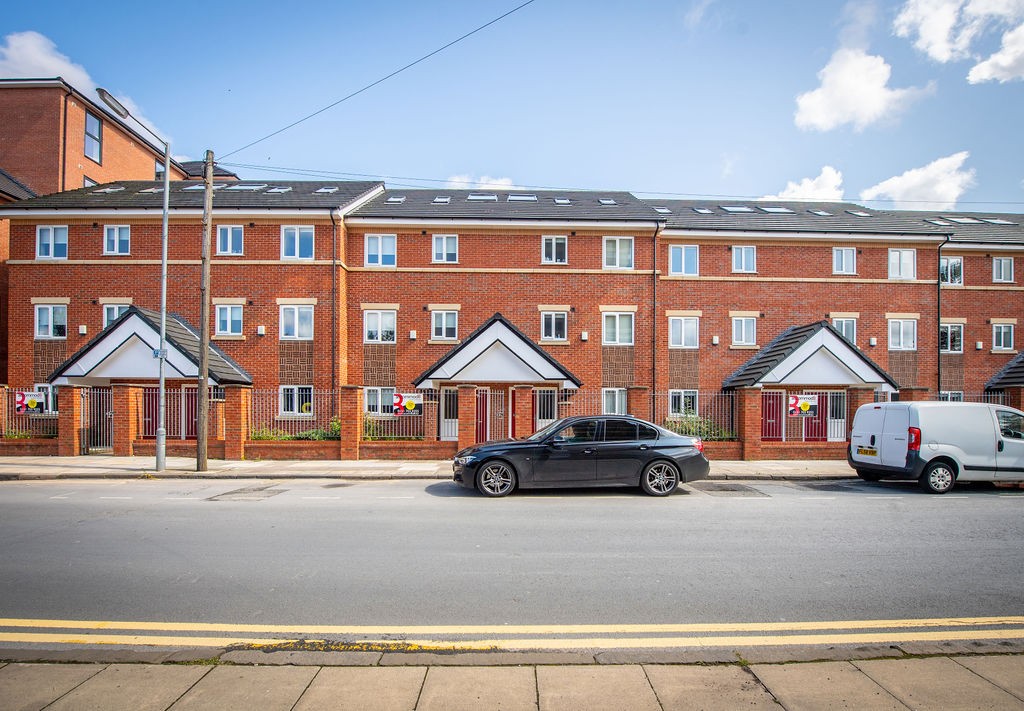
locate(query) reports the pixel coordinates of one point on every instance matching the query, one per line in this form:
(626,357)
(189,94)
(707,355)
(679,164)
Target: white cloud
(1005,65)
(695,14)
(484,182)
(31,55)
(827,187)
(936,186)
(854,90)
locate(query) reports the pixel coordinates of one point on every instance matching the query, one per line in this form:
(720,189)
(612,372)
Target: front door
(449,415)
(773,415)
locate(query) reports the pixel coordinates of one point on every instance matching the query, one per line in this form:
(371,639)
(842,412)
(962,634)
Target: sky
(908,104)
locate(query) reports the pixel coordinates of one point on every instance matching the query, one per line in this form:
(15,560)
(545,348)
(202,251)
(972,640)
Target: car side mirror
(557,441)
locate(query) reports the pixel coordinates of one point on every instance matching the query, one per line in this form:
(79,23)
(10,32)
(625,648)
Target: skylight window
(940,223)
(112,189)
(442,199)
(703,211)
(965,220)
(777,210)
(737,208)
(151,190)
(859,213)
(280,189)
(331,189)
(521,197)
(607,201)
(396,199)
(563,201)
(663,210)
(998,221)
(820,213)
(248,187)
(482,197)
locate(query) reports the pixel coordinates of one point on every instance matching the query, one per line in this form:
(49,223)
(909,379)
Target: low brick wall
(726,451)
(803,450)
(31,447)
(177,448)
(401,449)
(292,449)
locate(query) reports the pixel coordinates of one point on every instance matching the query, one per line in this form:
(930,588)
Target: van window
(1011,424)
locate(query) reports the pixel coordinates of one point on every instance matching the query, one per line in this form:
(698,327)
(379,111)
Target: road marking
(118,498)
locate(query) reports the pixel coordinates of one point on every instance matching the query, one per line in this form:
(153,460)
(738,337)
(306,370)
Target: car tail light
(699,445)
(914,439)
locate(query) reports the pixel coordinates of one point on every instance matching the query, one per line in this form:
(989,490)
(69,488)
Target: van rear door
(893,449)
(866,435)
(1010,449)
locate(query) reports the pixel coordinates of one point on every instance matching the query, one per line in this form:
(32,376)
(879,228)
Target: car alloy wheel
(660,478)
(496,479)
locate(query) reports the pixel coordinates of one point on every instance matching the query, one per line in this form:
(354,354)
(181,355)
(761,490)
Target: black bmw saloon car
(604,450)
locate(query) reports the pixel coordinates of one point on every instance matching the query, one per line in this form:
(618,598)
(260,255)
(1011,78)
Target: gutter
(654,319)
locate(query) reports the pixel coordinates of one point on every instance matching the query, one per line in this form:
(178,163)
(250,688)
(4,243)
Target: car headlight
(463,461)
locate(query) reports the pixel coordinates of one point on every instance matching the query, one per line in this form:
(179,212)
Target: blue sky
(915,104)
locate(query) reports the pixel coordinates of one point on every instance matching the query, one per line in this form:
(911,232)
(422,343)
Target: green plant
(332,431)
(702,427)
(269,433)
(15,433)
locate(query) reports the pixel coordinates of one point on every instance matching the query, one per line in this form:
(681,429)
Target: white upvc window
(296,400)
(381,250)
(951,396)
(446,249)
(553,326)
(614,401)
(902,334)
(618,329)
(682,403)
(52,242)
(744,331)
(297,242)
(683,260)
(951,338)
(554,249)
(51,321)
(117,239)
(744,259)
(847,327)
(951,270)
(93,137)
(618,252)
(229,320)
(445,325)
(111,312)
(1002,337)
(844,260)
(230,239)
(902,263)
(379,326)
(683,332)
(49,393)
(1002,269)
(379,401)
(296,323)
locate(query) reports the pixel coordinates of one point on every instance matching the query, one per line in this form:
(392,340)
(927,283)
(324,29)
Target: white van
(937,443)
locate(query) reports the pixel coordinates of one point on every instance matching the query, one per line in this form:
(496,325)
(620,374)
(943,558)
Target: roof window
(442,199)
(326,189)
(663,210)
(202,186)
(521,197)
(151,190)
(737,208)
(482,197)
(703,211)
(563,201)
(111,189)
(965,220)
(940,223)
(247,187)
(820,213)
(607,201)
(859,213)
(395,199)
(280,189)
(777,210)
(998,221)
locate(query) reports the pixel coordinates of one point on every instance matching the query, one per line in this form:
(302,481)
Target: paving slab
(303,659)
(595,688)
(1006,672)
(473,688)
(823,686)
(708,688)
(131,687)
(775,654)
(691,655)
(363,689)
(938,683)
(246,688)
(30,687)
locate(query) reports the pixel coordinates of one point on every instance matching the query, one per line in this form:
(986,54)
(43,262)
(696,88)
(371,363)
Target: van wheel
(938,478)
(868,476)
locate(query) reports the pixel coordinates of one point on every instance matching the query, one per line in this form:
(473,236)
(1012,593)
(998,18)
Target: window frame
(241,320)
(379,314)
(951,396)
(999,276)
(617,315)
(442,315)
(844,320)
(681,249)
(614,252)
(50,397)
(948,329)
(621,400)
(444,251)
(1005,328)
(743,320)
(682,411)
(296,392)
(553,317)
(385,407)
(107,251)
(296,309)
(554,241)
(903,322)
(839,265)
(296,241)
(106,315)
(944,271)
(379,253)
(900,275)
(682,341)
(230,252)
(740,250)
(51,241)
(50,308)
(96,138)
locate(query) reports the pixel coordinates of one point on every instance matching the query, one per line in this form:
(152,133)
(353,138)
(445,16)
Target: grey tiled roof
(197,169)
(148,194)
(981,227)
(789,216)
(14,188)
(1011,375)
(780,348)
(507,205)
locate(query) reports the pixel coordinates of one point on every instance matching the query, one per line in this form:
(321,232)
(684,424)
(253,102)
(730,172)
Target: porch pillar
(5,408)
(1014,397)
(467,416)
(522,415)
(69,421)
(351,418)
(237,407)
(638,401)
(127,405)
(748,421)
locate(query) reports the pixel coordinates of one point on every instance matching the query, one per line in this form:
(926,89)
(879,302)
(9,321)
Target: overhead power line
(381,80)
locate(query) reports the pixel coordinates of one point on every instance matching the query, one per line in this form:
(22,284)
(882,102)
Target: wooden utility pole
(203,394)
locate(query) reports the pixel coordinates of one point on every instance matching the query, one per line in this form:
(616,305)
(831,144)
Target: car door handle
(1000,446)
(643,447)
(588,451)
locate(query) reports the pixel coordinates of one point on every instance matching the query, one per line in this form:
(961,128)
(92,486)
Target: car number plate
(867,451)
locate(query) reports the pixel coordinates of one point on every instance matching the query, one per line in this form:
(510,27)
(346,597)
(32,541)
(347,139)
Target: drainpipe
(659,226)
(64,144)
(938,310)
(334,308)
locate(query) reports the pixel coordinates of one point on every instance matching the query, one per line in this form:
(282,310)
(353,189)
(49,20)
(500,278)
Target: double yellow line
(511,637)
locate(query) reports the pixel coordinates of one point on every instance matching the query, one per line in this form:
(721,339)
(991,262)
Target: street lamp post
(161,353)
